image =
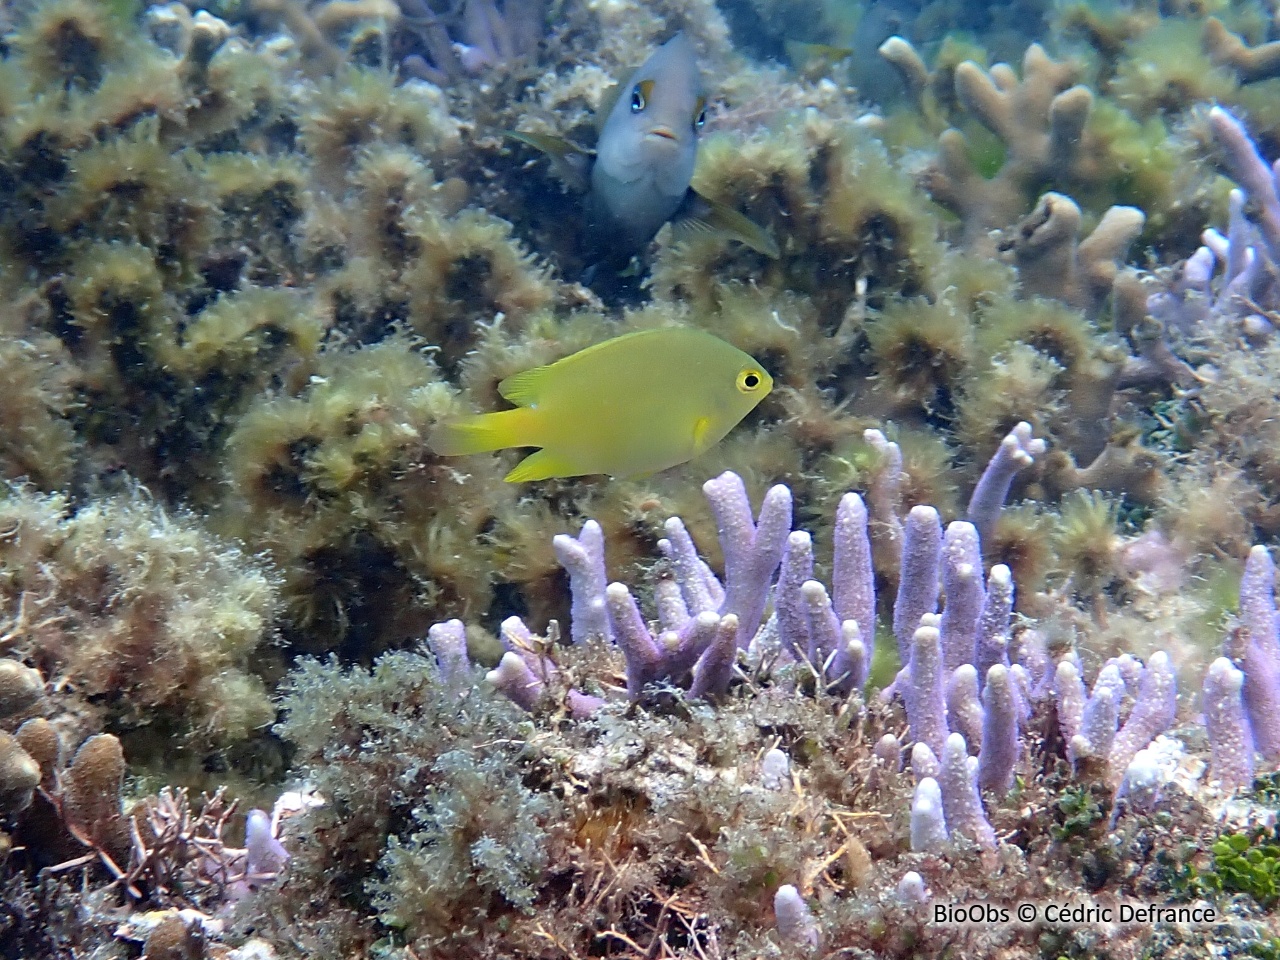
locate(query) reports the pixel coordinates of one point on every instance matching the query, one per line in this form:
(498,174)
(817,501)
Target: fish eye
(700,114)
(750,380)
(640,95)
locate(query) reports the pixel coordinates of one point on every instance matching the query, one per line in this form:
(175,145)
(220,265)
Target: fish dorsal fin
(699,215)
(525,389)
(568,160)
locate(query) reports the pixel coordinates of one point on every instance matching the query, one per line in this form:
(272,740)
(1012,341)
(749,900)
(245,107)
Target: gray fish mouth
(665,133)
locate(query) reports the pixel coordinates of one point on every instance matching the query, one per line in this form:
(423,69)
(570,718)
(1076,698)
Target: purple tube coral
(835,649)
(714,669)
(699,586)
(470,37)
(1152,713)
(1230,739)
(1254,651)
(789,603)
(961,802)
(265,855)
(928,823)
(964,706)
(1070,697)
(1100,718)
(1000,743)
(645,658)
(924,762)
(516,680)
(1249,170)
(962,585)
(1017,451)
(918,575)
(752,549)
(583,559)
(853,578)
(1247,290)
(926,704)
(884,492)
(993,622)
(796,926)
(448,642)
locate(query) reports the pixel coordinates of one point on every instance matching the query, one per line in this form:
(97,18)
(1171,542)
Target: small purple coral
(1230,739)
(1152,713)
(1000,742)
(961,801)
(918,575)
(1017,451)
(928,822)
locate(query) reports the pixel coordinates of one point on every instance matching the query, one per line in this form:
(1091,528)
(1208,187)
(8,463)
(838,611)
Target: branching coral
(1041,121)
(689,796)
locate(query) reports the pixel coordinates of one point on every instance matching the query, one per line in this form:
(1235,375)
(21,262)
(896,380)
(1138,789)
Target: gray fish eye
(701,121)
(637,99)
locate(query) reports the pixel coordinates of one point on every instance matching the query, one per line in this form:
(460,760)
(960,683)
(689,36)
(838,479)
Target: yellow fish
(632,405)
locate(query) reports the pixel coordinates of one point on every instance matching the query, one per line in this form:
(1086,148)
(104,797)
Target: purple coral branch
(1071,698)
(1250,171)
(796,926)
(645,660)
(1230,739)
(789,606)
(926,703)
(583,559)
(1253,650)
(853,578)
(962,585)
(1100,719)
(964,707)
(699,585)
(884,492)
(1152,713)
(752,550)
(993,622)
(928,822)
(714,669)
(1000,742)
(1017,451)
(918,575)
(448,642)
(961,801)
(514,678)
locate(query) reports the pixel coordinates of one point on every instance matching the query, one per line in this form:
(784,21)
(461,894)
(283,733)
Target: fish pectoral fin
(608,98)
(542,465)
(698,215)
(569,161)
(700,428)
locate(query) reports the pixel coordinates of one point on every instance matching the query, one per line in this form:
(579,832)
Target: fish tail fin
(458,436)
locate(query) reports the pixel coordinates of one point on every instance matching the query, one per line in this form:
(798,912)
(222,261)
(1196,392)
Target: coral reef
(578,831)
(1002,624)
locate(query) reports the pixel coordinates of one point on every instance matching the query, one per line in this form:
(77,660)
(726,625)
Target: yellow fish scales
(630,406)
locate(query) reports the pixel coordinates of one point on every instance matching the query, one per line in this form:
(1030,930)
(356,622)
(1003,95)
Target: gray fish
(638,178)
